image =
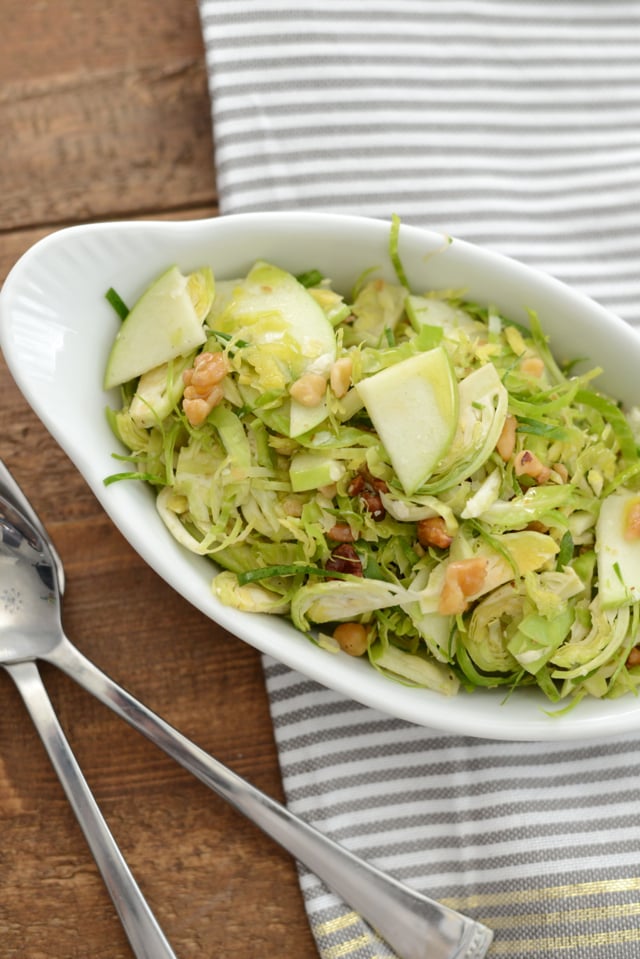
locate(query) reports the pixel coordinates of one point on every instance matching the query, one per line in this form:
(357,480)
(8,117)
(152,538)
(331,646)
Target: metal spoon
(144,933)
(30,628)
(13,493)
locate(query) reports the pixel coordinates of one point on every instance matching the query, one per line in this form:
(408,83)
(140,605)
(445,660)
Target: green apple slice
(163,324)
(482,409)
(286,332)
(278,317)
(618,556)
(305,418)
(429,311)
(333,305)
(413,406)
(313,470)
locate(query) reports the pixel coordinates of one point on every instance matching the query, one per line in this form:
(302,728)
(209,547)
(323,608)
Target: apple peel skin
(286,332)
(413,406)
(165,323)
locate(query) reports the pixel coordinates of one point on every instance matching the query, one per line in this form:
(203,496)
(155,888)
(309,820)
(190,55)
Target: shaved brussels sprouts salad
(406,475)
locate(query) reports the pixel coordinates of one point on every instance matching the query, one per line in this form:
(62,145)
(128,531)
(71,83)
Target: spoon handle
(145,935)
(415,926)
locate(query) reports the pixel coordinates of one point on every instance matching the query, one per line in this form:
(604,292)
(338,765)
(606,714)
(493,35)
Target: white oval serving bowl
(56,330)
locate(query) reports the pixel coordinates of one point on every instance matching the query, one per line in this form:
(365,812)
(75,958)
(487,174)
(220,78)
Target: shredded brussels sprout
(511,557)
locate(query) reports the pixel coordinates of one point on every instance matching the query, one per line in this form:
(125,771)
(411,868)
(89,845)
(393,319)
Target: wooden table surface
(104,114)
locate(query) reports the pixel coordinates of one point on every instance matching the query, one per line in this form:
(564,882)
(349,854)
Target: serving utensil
(145,935)
(31,629)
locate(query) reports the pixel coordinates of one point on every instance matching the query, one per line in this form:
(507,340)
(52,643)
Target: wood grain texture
(104,111)
(104,114)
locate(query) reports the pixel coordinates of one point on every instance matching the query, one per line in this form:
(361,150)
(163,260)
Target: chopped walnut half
(528,464)
(341,533)
(368,488)
(340,376)
(462,579)
(507,439)
(353,638)
(532,366)
(433,532)
(203,386)
(344,559)
(309,390)
(633,659)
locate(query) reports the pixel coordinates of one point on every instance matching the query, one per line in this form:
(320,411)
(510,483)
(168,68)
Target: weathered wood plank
(104,114)
(118,144)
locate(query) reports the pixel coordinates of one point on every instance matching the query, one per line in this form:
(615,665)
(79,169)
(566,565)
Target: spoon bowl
(29,596)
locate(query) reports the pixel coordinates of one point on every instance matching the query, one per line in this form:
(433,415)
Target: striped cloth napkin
(514,124)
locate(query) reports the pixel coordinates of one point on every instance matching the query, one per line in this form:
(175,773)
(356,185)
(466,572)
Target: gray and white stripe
(538,840)
(514,124)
